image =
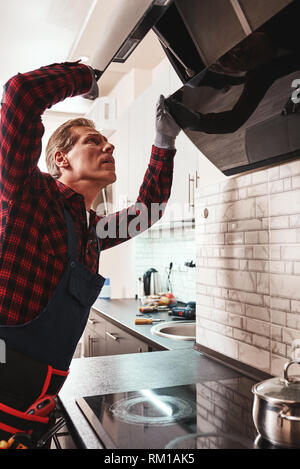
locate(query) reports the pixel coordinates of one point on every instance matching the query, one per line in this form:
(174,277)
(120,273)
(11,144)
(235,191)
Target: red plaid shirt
(33,234)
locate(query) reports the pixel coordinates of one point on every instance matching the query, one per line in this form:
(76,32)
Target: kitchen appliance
(276,409)
(236,104)
(173,417)
(152,284)
(241,108)
(129,22)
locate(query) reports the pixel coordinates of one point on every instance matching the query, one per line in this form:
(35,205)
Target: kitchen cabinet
(215,27)
(119,342)
(142,117)
(138,153)
(258,12)
(133,141)
(218,25)
(101,338)
(181,205)
(121,154)
(94,336)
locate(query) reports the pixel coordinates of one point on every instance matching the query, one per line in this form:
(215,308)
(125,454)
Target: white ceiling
(38,32)
(34,33)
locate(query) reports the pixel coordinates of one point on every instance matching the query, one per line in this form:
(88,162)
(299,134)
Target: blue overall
(52,336)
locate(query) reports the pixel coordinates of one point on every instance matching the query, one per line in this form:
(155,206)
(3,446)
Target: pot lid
(285,389)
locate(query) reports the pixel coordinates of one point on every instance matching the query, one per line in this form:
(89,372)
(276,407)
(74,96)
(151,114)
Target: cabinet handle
(91,341)
(112,336)
(92,321)
(89,346)
(197,178)
(191,205)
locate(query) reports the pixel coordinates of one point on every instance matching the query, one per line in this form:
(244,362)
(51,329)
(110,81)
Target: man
(49,248)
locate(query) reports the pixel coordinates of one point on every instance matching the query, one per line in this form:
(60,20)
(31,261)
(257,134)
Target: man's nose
(109,147)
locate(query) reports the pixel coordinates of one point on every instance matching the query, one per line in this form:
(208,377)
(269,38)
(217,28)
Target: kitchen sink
(175,330)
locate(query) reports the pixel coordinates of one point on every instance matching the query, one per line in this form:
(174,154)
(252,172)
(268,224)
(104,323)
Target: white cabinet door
(142,132)
(138,156)
(133,141)
(120,140)
(185,181)
(150,97)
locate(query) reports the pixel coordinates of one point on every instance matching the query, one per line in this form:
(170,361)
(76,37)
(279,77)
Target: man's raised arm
(26,96)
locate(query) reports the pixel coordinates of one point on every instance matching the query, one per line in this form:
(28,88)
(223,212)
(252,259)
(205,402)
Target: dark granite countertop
(123,313)
(124,373)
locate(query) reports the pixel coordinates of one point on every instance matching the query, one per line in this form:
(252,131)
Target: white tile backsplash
(158,249)
(248,266)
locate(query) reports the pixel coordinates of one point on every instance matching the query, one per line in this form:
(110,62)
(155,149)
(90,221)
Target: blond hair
(63,139)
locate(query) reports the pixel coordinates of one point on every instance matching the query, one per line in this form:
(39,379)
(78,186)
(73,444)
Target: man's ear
(61,159)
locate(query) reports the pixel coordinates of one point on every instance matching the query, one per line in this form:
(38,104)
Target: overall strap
(72,242)
(98,242)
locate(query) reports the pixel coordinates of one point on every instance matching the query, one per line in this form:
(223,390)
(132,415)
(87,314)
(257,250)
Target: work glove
(185,117)
(93,93)
(165,126)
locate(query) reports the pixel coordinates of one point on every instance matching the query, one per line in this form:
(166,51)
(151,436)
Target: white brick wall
(157,250)
(248,266)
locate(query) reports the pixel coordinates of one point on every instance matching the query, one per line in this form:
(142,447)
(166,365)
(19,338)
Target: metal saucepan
(276,409)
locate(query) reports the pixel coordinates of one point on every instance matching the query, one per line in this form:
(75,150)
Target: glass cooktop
(206,415)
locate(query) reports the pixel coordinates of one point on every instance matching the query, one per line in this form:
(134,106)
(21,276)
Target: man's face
(91,158)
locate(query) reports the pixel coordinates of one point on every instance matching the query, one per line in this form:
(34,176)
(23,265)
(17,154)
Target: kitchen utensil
(147,320)
(152,285)
(276,409)
(151,309)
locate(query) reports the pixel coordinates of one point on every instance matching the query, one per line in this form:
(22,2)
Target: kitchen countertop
(176,364)
(123,313)
(131,372)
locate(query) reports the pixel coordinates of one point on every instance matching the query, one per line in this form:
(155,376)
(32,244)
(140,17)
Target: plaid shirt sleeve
(154,193)
(26,96)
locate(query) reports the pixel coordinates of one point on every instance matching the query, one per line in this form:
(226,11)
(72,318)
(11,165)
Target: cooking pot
(276,409)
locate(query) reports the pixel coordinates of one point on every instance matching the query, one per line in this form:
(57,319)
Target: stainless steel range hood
(127,23)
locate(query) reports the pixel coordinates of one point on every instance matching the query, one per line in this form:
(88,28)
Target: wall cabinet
(133,141)
(121,154)
(257,12)
(220,27)
(102,338)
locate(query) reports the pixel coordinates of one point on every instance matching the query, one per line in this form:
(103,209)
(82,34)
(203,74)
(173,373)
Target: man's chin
(114,178)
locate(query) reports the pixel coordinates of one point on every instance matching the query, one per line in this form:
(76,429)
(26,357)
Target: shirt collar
(66,191)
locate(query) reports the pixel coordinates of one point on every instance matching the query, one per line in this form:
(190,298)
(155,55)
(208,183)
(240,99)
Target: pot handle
(286,367)
(282,416)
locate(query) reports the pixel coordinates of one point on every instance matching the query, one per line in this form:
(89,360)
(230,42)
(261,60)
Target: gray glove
(93,93)
(166,128)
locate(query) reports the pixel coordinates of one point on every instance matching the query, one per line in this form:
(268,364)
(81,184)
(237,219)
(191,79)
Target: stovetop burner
(205,415)
(148,408)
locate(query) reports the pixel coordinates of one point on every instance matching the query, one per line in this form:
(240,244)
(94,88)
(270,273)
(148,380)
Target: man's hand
(185,117)
(93,93)
(166,128)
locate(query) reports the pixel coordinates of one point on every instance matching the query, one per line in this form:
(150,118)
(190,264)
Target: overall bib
(46,344)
